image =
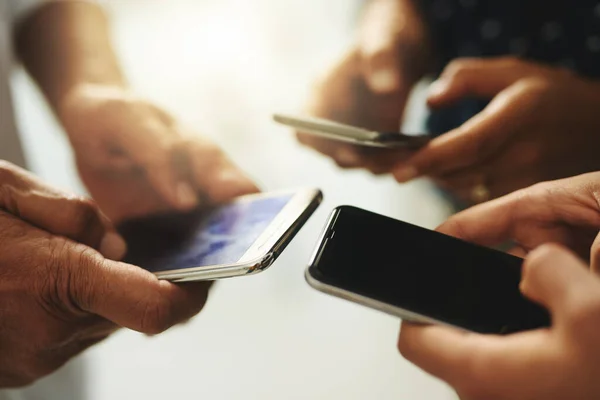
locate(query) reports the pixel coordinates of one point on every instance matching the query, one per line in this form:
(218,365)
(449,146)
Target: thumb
(552,276)
(132,297)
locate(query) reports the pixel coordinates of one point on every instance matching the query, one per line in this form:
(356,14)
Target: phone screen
(425,272)
(219,236)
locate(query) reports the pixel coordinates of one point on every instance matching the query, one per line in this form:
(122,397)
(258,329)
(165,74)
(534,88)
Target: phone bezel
(313,280)
(351,134)
(265,249)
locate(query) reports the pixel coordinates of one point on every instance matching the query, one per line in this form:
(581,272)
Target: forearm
(65,44)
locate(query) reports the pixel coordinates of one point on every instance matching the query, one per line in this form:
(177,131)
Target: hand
(541,124)
(559,363)
(136,160)
(369,87)
(565,212)
(58,295)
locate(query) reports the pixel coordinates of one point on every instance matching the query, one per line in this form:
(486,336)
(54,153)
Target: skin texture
(60,290)
(136,160)
(370,85)
(561,362)
(541,125)
(566,212)
(133,157)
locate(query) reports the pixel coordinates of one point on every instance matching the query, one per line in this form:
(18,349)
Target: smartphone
(421,275)
(242,237)
(350,134)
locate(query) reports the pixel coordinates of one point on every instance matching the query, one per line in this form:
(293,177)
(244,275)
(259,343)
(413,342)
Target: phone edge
(258,264)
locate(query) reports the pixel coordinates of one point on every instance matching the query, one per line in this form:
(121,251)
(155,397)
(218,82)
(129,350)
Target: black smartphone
(421,275)
(352,134)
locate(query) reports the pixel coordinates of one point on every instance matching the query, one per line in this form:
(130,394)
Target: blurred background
(223,67)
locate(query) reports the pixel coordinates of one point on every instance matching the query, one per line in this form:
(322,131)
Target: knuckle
(459,67)
(535,89)
(85,215)
(68,281)
(81,285)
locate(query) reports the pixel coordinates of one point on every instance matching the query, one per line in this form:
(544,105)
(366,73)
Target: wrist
(80,103)
(81,93)
(396,26)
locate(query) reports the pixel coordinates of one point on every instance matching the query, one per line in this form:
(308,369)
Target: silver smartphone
(351,134)
(242,237)
(421,275)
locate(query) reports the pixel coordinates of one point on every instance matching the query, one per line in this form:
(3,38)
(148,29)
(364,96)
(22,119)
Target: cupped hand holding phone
(556,363)
(370,85)
(61,290)
(541,124)
(551,364)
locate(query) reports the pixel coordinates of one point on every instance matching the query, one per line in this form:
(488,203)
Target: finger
(552,276)
(154,150)
(487,224)
(130,296)
(479,78)
(470,362)
(76,218)
(514,168)
(494,176)
(479,139)
(212,173)
(379,46)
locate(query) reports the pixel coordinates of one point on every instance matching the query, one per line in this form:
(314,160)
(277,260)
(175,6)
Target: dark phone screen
(425,272)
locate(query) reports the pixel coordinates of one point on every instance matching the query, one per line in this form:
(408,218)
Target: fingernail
(437,88)
(523,287)
(384,80)
(113,246)
(406,174)
(186,196)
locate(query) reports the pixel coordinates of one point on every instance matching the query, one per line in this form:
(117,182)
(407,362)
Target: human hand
(561,362)
(370,86)
(136,160)
(564,211)
(58,295)
(542,124)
